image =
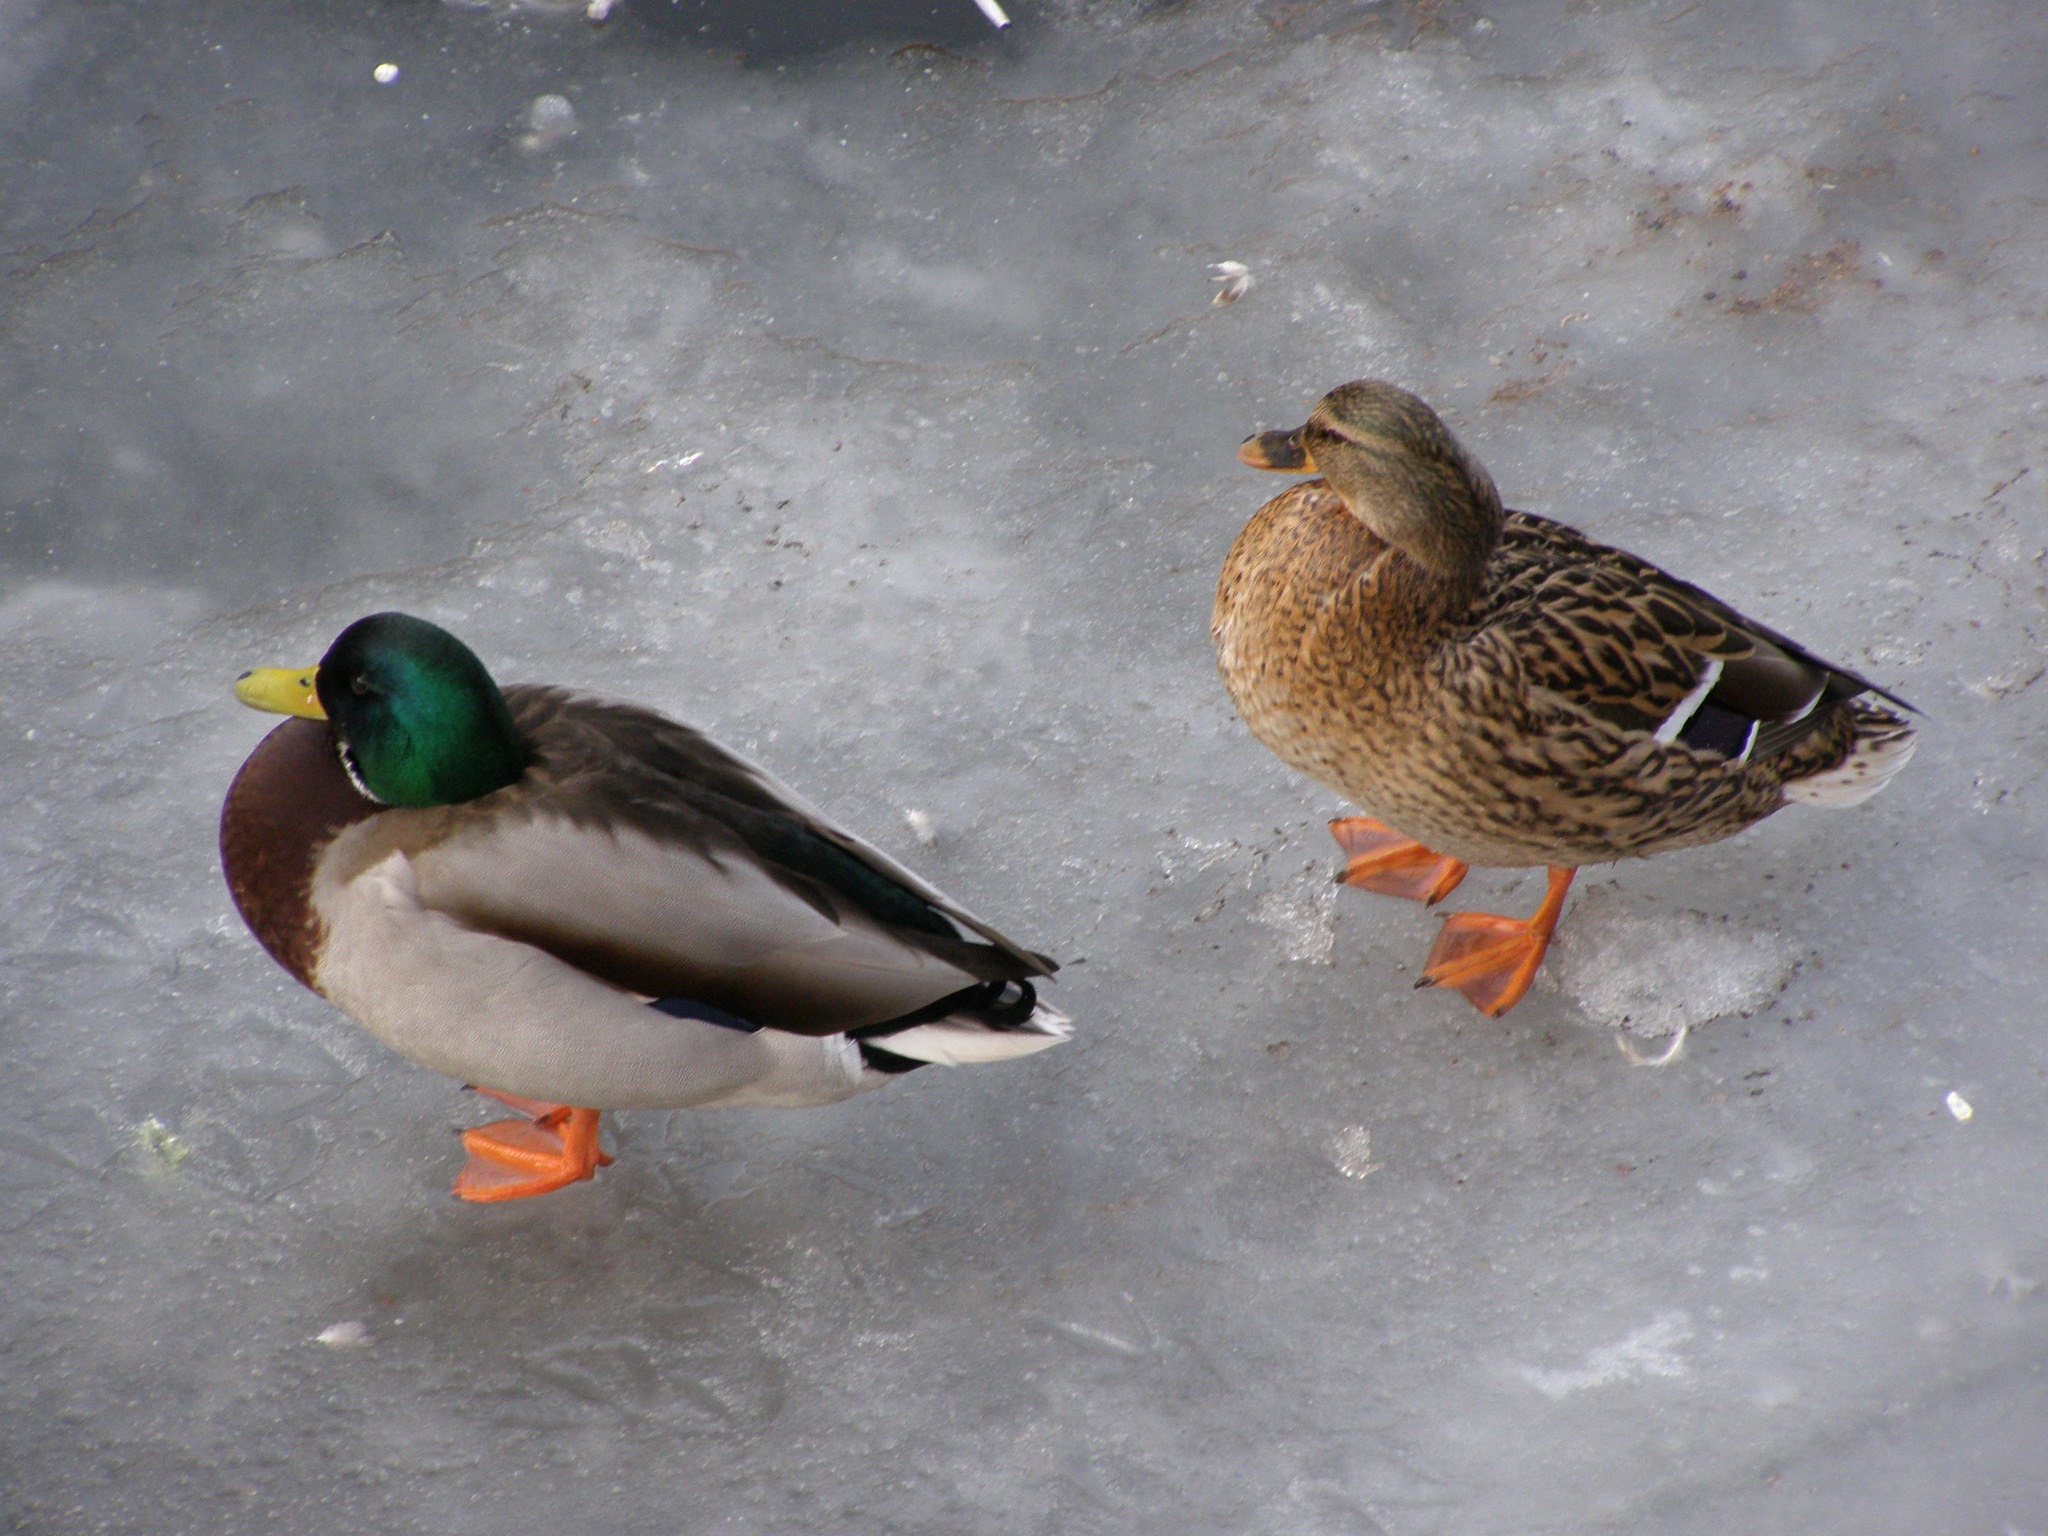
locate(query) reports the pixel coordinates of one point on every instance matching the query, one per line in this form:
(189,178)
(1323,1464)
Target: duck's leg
(511,1159)
(1382,860)
(1493,959)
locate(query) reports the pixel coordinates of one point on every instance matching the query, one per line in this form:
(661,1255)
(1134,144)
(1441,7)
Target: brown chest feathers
(1317,636)
(290,800)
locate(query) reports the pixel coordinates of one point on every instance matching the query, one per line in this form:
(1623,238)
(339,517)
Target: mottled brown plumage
(1496,685)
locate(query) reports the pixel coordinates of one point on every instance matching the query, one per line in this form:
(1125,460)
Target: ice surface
(1661,975)
(867,405)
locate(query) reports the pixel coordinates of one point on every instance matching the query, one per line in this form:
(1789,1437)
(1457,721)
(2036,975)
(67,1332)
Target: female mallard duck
(1499,689)
(580,905)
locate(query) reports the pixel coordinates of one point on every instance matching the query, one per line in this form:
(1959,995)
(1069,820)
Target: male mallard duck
(579,905)
(1499,689)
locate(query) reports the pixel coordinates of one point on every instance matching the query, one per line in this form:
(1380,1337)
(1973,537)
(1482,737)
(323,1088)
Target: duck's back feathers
(643,853)
(1638,647)
(605,764)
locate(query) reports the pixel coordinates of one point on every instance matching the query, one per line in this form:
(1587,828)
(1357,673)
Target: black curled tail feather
(994,1005)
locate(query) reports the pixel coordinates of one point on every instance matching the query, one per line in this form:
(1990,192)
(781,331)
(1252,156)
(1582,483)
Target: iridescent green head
(417,719)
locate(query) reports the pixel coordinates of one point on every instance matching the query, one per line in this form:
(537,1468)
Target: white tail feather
(1868,768)
(958,1043)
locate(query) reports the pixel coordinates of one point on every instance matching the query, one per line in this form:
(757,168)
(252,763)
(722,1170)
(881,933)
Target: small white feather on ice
(1236,280)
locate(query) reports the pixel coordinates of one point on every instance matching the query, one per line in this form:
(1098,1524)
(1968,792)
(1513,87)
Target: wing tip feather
(1882,747)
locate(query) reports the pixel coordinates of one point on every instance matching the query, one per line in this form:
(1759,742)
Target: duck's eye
(359,684)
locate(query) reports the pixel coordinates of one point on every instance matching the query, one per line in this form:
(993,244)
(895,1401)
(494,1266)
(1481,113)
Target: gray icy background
(865,404)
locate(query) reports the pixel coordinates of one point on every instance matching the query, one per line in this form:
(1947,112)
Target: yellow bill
(281,691)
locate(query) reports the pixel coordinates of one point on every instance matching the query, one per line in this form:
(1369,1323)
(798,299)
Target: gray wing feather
(647,855)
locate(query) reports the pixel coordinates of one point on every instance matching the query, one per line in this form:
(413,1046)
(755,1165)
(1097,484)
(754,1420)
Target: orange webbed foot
(1492,959)
(1382,860)
(512,1159)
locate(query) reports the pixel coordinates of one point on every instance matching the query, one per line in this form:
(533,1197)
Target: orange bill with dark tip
(1277,450)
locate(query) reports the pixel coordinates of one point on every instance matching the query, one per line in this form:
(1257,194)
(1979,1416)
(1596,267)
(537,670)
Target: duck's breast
(287,805)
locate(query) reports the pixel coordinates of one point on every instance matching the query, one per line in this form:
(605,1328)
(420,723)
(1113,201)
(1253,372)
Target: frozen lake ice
(863,402)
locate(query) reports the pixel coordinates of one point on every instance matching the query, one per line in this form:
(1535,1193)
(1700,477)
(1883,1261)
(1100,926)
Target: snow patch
(1657,975)
(1305,917)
